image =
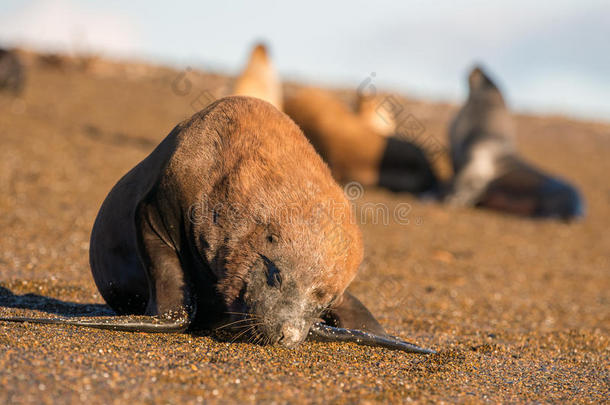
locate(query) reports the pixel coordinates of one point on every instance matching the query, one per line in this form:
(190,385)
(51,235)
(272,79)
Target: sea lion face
(288,266)
(279,294)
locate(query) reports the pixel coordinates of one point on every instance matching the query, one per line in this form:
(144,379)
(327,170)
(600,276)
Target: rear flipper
(149,324)
(350,321)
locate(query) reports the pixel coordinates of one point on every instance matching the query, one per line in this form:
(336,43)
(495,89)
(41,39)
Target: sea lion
(488,171)
(371,111)
(12,75)
(259,78)
(232,222)
(354,151)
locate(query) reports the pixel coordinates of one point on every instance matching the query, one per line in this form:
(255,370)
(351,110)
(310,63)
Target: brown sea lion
(232,222)
(259,78)
(488,171)
(354,151)
(12,75)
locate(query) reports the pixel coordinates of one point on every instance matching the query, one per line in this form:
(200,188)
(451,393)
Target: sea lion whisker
(239,327)
(239,313)
(248,327)
(234,322)
(243,332)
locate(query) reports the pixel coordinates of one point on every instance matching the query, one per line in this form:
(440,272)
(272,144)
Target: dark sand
(518,309)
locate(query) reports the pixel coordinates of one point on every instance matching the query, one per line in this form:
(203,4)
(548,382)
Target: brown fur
(259,78)
(352,149)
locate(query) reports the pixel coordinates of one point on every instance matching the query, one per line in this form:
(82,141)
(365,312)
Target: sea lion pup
(488,170)
(233,221)
(354,151)
(369,109)
(12,74)
(259,78)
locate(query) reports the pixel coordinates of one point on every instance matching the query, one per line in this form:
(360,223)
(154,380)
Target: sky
(548,56)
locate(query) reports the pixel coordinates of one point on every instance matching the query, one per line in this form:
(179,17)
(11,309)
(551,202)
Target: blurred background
(549,56)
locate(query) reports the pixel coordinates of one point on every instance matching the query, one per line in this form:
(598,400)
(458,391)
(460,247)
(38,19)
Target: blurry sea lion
(259,78)
(233,222)
(12,74)
(370,110)
(354,151)
(488,171)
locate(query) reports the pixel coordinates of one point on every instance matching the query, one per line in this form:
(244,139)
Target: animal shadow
(51,305)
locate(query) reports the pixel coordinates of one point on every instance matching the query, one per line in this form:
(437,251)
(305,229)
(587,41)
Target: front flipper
(350,313)
(149,324)
(326,333)
(350,321)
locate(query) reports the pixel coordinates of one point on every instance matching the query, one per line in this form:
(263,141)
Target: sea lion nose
(290,336)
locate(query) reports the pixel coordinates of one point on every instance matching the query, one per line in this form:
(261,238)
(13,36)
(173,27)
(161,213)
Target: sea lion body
(353,150)
(219,212)
(488,171)
(259,78)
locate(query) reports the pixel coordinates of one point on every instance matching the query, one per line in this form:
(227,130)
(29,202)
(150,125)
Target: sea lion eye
(274,278)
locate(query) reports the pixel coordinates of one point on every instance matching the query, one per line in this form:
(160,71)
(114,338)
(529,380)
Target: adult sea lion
(488,171)
(232,222)
(259,78)
(353,150)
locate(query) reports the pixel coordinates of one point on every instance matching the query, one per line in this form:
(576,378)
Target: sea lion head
(289,264)
(260,52)
(483,88)
(259,78)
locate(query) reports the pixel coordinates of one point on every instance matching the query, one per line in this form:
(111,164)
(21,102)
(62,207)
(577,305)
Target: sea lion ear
(348,312)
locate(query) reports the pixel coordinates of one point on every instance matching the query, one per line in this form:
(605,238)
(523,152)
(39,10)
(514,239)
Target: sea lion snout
(274,296)
(292,336)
